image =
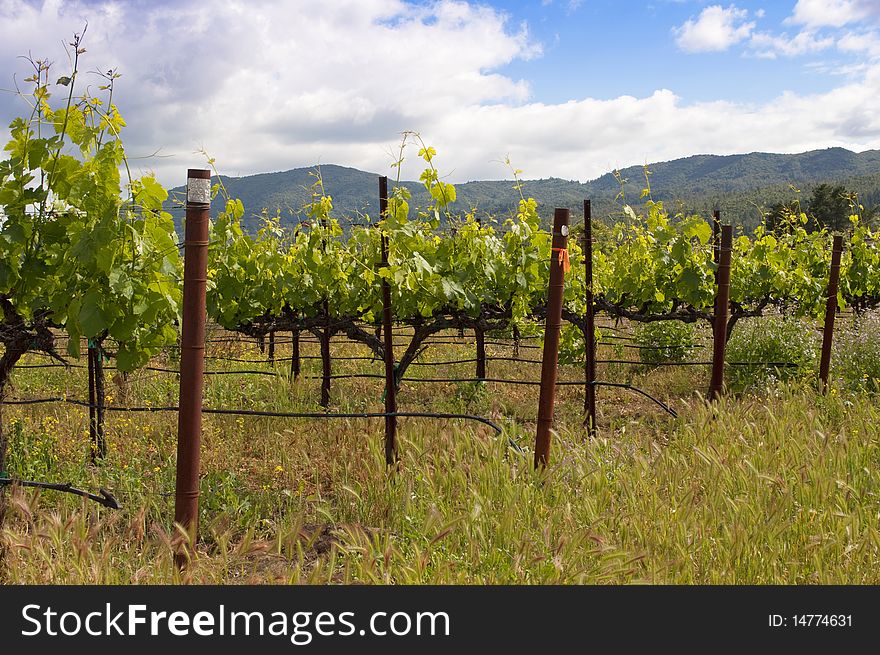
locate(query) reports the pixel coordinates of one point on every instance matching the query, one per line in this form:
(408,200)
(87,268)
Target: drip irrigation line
(532,383)
(605,361)
(287,359)
(374,359)
(505,344)
(267,373)
(105,498)
(474,380)
(452,361)
(157,369)
(638,363)
(257,412)
(620,385)
(342,339)
(774,364)
(373,326)
(442,415)
(280,332)
(641,347)
(465,341)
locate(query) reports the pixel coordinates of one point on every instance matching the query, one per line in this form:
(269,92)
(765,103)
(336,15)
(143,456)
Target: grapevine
(81,251)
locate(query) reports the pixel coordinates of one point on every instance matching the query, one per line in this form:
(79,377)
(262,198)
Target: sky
(562,88)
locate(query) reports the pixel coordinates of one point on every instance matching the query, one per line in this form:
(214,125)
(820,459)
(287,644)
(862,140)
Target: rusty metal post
(192,354)
(294,355)
(589,326)
(558,265)
(830,311)
(722,311)
(481,353)
(388,333)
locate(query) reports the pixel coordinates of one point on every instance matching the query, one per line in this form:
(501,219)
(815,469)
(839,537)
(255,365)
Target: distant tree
(830,206)
(782,216)
(871,216)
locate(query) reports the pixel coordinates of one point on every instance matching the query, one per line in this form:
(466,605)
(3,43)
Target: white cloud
(866,44)
(583,139)
(716,29)
(833,13)
(263,93)
(276,84)
(770,45)
(838,68)
(822,21)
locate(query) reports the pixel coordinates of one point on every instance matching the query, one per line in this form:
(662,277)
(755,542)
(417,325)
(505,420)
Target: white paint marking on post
(198,191)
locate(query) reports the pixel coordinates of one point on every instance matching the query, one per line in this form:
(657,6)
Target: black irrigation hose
(443,415)
(286,359)
(536,347)
(627,361)
(640,347)
(440,363)
(158,369)
(105,498)
(607,361)
(454,341)
(269,373)
(406,329)
(42,401)
(666,407)
(497,358)
(453,361)
(505,344)
(401,343)
(258,412)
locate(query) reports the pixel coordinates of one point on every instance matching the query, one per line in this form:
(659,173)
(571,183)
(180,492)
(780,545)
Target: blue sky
(608,48)
(565,88)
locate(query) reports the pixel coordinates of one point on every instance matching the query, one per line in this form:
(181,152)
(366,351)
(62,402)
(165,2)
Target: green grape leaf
(91,317)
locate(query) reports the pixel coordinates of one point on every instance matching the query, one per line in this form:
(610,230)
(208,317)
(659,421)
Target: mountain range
(741,186)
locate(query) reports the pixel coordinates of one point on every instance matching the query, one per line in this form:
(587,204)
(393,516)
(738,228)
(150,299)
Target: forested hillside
(742,186)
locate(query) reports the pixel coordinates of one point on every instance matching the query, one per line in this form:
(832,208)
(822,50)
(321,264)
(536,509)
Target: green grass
(777,487)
